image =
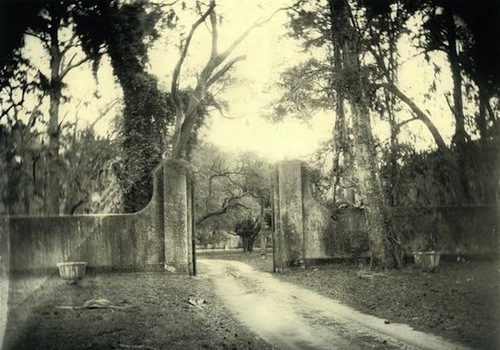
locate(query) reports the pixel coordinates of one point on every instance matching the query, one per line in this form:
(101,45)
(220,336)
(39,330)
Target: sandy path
(290,317)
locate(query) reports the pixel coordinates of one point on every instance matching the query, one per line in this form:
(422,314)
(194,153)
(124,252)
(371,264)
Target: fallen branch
(124,346)
(94,304)
(197,302)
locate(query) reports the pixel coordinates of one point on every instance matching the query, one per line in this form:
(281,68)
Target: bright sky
(268,51)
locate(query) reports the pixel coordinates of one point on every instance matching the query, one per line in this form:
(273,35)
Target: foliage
(477,33)
(306,89)
(361,67)
(423,178)
(148,116)
(51,158)
(84,167)
(53,25)
(143,135)
(380,24)
(126,30)
(228,187)
(210,237)
(248,228)
(90,173)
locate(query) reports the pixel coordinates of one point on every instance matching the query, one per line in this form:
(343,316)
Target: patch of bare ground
(459,302)
(152,312)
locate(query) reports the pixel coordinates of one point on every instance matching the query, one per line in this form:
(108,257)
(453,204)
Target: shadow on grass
(157,315)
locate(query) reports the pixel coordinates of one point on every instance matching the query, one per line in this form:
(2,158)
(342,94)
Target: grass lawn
(154,313)
(459,302)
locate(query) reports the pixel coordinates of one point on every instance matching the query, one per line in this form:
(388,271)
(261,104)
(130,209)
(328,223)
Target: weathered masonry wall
(108,241)
(4,277)
(159,236)
(464,231)
(288,208)
(147,239)
(178,218)
(306,231)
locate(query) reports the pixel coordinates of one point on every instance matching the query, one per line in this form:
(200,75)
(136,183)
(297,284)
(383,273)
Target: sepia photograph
(249,174)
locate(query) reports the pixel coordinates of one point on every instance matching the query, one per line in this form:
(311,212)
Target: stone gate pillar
(178,217)
(288,216)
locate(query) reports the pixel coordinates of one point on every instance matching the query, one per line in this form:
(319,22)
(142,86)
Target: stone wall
(138,241)
(456,231)
(179,222)
(289,231)
(466,231)
(4,276)
(103,241)
(306,231)
(157,237)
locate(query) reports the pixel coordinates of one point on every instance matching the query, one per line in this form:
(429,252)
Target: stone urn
(72,271)
(428,261)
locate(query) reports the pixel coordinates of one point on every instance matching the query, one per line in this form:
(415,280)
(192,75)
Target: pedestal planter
(72,271)
(428,261)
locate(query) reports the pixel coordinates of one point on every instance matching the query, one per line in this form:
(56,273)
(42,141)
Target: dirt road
(290,317)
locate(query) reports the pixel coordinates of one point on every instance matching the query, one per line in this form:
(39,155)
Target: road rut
(291,317)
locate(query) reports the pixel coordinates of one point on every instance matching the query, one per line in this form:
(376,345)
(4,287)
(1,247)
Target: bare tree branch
(221,211)
(215,34)
(185,48)
(161,5)
(187,116)
(235,43)
(71,66)
(419,113)
(226,175)
(69,44)
(399,125)
(224,69)
(105,111)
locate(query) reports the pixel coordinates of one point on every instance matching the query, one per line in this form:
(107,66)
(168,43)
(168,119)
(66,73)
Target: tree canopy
(354,73)
(122,31)
(231,191)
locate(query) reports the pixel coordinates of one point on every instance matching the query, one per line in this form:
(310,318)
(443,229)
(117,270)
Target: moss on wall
(123,241)
(289,235)
(472,230)
(107,241)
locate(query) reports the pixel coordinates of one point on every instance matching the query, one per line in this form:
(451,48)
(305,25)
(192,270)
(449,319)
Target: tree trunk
(263,230)
(460,134)
(339,134)
(390,103)
(248,243)
(55,94)
(369,185)
(460,137)
(393,166)
(263,242)
(346,39)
